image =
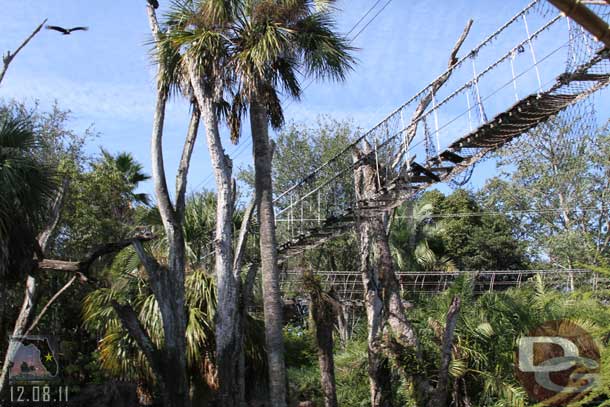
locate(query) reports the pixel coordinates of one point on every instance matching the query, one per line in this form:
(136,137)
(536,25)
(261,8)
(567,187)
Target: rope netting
(525,73)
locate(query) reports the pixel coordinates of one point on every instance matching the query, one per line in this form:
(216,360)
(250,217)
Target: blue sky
(106,78)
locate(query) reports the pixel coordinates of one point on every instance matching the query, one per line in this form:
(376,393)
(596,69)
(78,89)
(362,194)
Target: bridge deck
(522,117)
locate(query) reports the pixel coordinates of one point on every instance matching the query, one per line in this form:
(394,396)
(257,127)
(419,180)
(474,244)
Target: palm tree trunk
(168,285)
(173,313)
(228,313)
(323,316)
(272,301)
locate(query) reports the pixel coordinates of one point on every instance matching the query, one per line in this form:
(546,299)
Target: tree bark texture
(228,316)
(272,301)
(378,364)
(323,313)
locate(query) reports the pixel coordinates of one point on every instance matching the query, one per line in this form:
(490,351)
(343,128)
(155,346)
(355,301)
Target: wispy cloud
(121,101)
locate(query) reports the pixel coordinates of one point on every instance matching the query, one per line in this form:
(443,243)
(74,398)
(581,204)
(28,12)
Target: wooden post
(586,18)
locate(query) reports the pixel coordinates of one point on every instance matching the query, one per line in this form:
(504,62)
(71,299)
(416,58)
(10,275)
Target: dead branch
(185,161)
(9,56)
(84,265)
(56,207)
(131,323)
(240,248)
(50,302)
(247,292)
(150,263)
(425,102)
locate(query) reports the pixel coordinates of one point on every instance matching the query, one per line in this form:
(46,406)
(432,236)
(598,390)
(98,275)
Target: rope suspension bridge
(348,284)
(530,69)
(533,67)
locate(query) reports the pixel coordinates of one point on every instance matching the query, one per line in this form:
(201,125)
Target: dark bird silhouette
(66,31)
(154,3)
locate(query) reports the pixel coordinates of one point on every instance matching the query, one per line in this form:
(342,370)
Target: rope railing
(434,110)
(348,284)
(323,203)
(422,92)
(409,156)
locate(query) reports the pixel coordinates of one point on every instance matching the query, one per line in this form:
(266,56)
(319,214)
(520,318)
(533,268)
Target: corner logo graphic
(31,359)
(557,362)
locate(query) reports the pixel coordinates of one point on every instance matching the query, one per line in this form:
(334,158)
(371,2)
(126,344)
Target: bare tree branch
(131,323)
(185,161)
(84,265)
(9,56)
(56,207)
(247,292)
(154,23)
(240,247)
(166,209)
(425,102)
(150,263)
(50,302)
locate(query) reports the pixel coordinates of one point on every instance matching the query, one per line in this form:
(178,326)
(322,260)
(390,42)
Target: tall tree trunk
(172,306)
(168,285)
(272,301)
(246,296)
(228,316)
(323,308)
(378,364)
(385,308)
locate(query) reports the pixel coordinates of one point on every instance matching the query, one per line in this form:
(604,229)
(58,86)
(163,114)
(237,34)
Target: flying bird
(66,31)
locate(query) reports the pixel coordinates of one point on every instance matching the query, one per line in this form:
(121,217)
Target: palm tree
(166,281)
(118,352)
(413,237)
(27,187)
(197,35)
(275,41)
(130,169)
(255,49)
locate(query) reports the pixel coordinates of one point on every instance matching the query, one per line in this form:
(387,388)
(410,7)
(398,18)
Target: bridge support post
(586,18)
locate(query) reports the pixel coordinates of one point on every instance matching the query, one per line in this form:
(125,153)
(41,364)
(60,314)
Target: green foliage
(101,204)
(350,369)
(415,239)
(560,186)
(476,241)
(118,353)
(445,233)
(27,186)
(488,330)
(36,150)
(300,346)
